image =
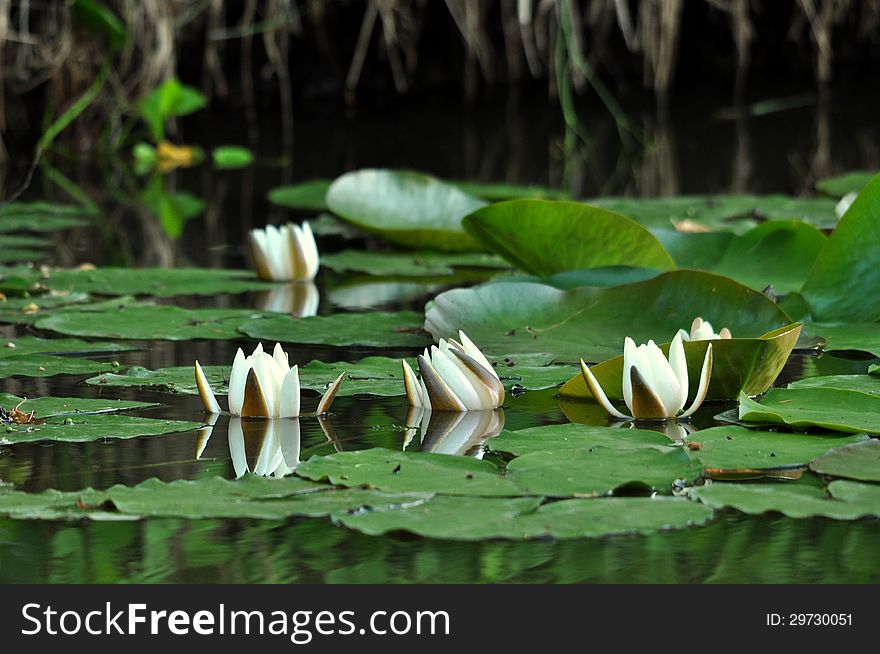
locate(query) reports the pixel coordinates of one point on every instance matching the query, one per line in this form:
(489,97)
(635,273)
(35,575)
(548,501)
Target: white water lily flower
(262,385)
(445,432)
(845,203)
(701,330)
(455,376)
(654,388)
(284,254)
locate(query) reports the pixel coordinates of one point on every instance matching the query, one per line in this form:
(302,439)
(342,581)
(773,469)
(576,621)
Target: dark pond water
(697,152)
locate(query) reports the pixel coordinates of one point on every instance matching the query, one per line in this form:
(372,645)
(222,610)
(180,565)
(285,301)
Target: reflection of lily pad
(804,408)
(400,472)
(748,365)
(738,447)
(411,209)
(794,499)
(41,216)
(860,461)
(592,323)
(84,428)
(374,329)
(545,237)
(563,438)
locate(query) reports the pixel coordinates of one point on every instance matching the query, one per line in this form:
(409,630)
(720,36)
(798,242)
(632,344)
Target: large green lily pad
(844,284)
(748,365)
(50,407)
(373,329)
(858,336)
(805,408)
(592,323)
(869,384)
(546,237)
(44,365)
(794,499)
(401,472)
(599,471)
(850,182)
(304,196)
(84,428)
(860,461)
(27,309)
(855,493)
(407,208)
(21,345)
(567,437)
(408,263)
(738,447)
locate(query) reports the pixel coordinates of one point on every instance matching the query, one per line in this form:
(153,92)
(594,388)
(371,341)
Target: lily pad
(855,493)
(869,384)
(402,472)
(844,284)
(738,447)
(851,182)
(748,365)
(804,408)
(34,345)
(599,471)
(28,309)
(84,428)
(568,437)
(859,461)
(545,237)
(698,250)
(500,191)
(858,336)
(43,365)
(51,407)
(149,321)
(408,263)
(41,216)
(407,208)
(592,323)
(373,329)
(305,196)
(793,499)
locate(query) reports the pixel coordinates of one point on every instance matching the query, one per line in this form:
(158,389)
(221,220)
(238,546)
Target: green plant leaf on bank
(52,407)
(859,461)
(228,157)
(407,263)
(844,284)
(568,437)
(407,208)
(748,365)
(546,237)
(793,499)
(85,428)
(805,408)
(738,447)
(592,323)
(851,182)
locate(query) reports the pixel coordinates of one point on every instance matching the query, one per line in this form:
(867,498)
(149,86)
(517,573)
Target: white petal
(271,377)
(310,249)
(237,378)
(474,352)
(280,357)
(205,392)
(665,384)
(411,386)
(599,394)
(236,447)
(684,335)
(678,361)
(629,360)
(703,389)
(455,379)
(290,394)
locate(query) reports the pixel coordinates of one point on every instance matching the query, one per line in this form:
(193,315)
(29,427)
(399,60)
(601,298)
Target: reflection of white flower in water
(284,254)
(654,388)
(277,444)
(447,432)
(455,376)
(299,300)
(701,330)
(262,385)
(845,203)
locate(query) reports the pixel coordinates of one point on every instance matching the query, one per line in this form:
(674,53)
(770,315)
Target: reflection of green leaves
(738,447)
(172,209)
(739,365)
(599,470)
(794,499)
(860,461)
(80,429)
(411,209)
(169,100)
(545,237)
(803,408)
(228,157)
(567,437)
(844,284)
(592,323)
(41,216)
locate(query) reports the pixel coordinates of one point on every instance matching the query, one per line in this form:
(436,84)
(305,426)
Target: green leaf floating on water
(748,365)
(408,263)
(21,345)
(599,471)
(856,493)
(480,518)
(407,208)
(84,428)
(860,461)
(568,437)
(869,384)
(28,309)
(844,284)
(794,499)
(738,447)
(805,408)
(372,329)
(858,336)
(851,182)
(307,196)
(158,282)
(592,323)
(546,237)
(148,321)
(36,357)
(401,472)
(51,407)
